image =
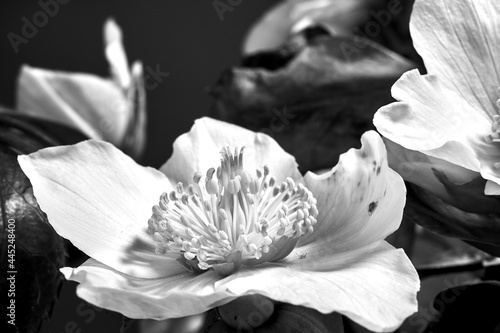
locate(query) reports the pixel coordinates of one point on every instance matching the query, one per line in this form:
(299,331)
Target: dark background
(185,38)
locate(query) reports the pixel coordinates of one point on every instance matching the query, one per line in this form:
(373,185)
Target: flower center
(237,219)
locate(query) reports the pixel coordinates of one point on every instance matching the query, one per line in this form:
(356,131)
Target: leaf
(39,251)
(315,96)
(434,214)
(469,196)
(288,318)
(433,254)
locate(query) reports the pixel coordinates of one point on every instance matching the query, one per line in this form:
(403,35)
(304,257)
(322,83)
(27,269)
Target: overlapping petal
(196,151)
(100,199)
(437,122)
(94,105)
(375,286)
(178,295)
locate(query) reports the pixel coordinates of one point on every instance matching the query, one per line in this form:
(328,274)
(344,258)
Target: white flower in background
(290,16)
(217,223)
(448,119)
(111,109)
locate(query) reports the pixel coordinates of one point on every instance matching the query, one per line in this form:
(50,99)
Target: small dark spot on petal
(378,170)
(363,155)
(371,207)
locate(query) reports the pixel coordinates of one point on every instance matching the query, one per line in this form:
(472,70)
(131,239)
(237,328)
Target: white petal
(429,115)
(270,31)
(93,105)
(360,201)
(176,296)
(198,150)
(134,142)
(492,188)
(101,200)
(439,123)
(460,42)
(115,53)
(376,286)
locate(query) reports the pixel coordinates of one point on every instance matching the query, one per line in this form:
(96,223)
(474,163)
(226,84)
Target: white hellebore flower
(110,109)
(217,223)
(451,114)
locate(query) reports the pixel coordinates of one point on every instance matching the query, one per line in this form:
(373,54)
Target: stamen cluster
(238,218)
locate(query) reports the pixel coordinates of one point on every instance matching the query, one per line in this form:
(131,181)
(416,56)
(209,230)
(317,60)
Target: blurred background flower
(111,109)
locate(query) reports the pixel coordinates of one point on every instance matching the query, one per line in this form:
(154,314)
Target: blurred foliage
(316,95)
(39,251)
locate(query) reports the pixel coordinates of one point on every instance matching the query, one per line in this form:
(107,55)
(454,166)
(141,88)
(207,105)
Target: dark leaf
(434,214)
(469,196)
(288,318)
(433,254)
(316,96)
(32,250)
(383,21)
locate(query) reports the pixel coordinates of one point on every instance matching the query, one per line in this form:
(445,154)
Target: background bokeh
(187,39)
